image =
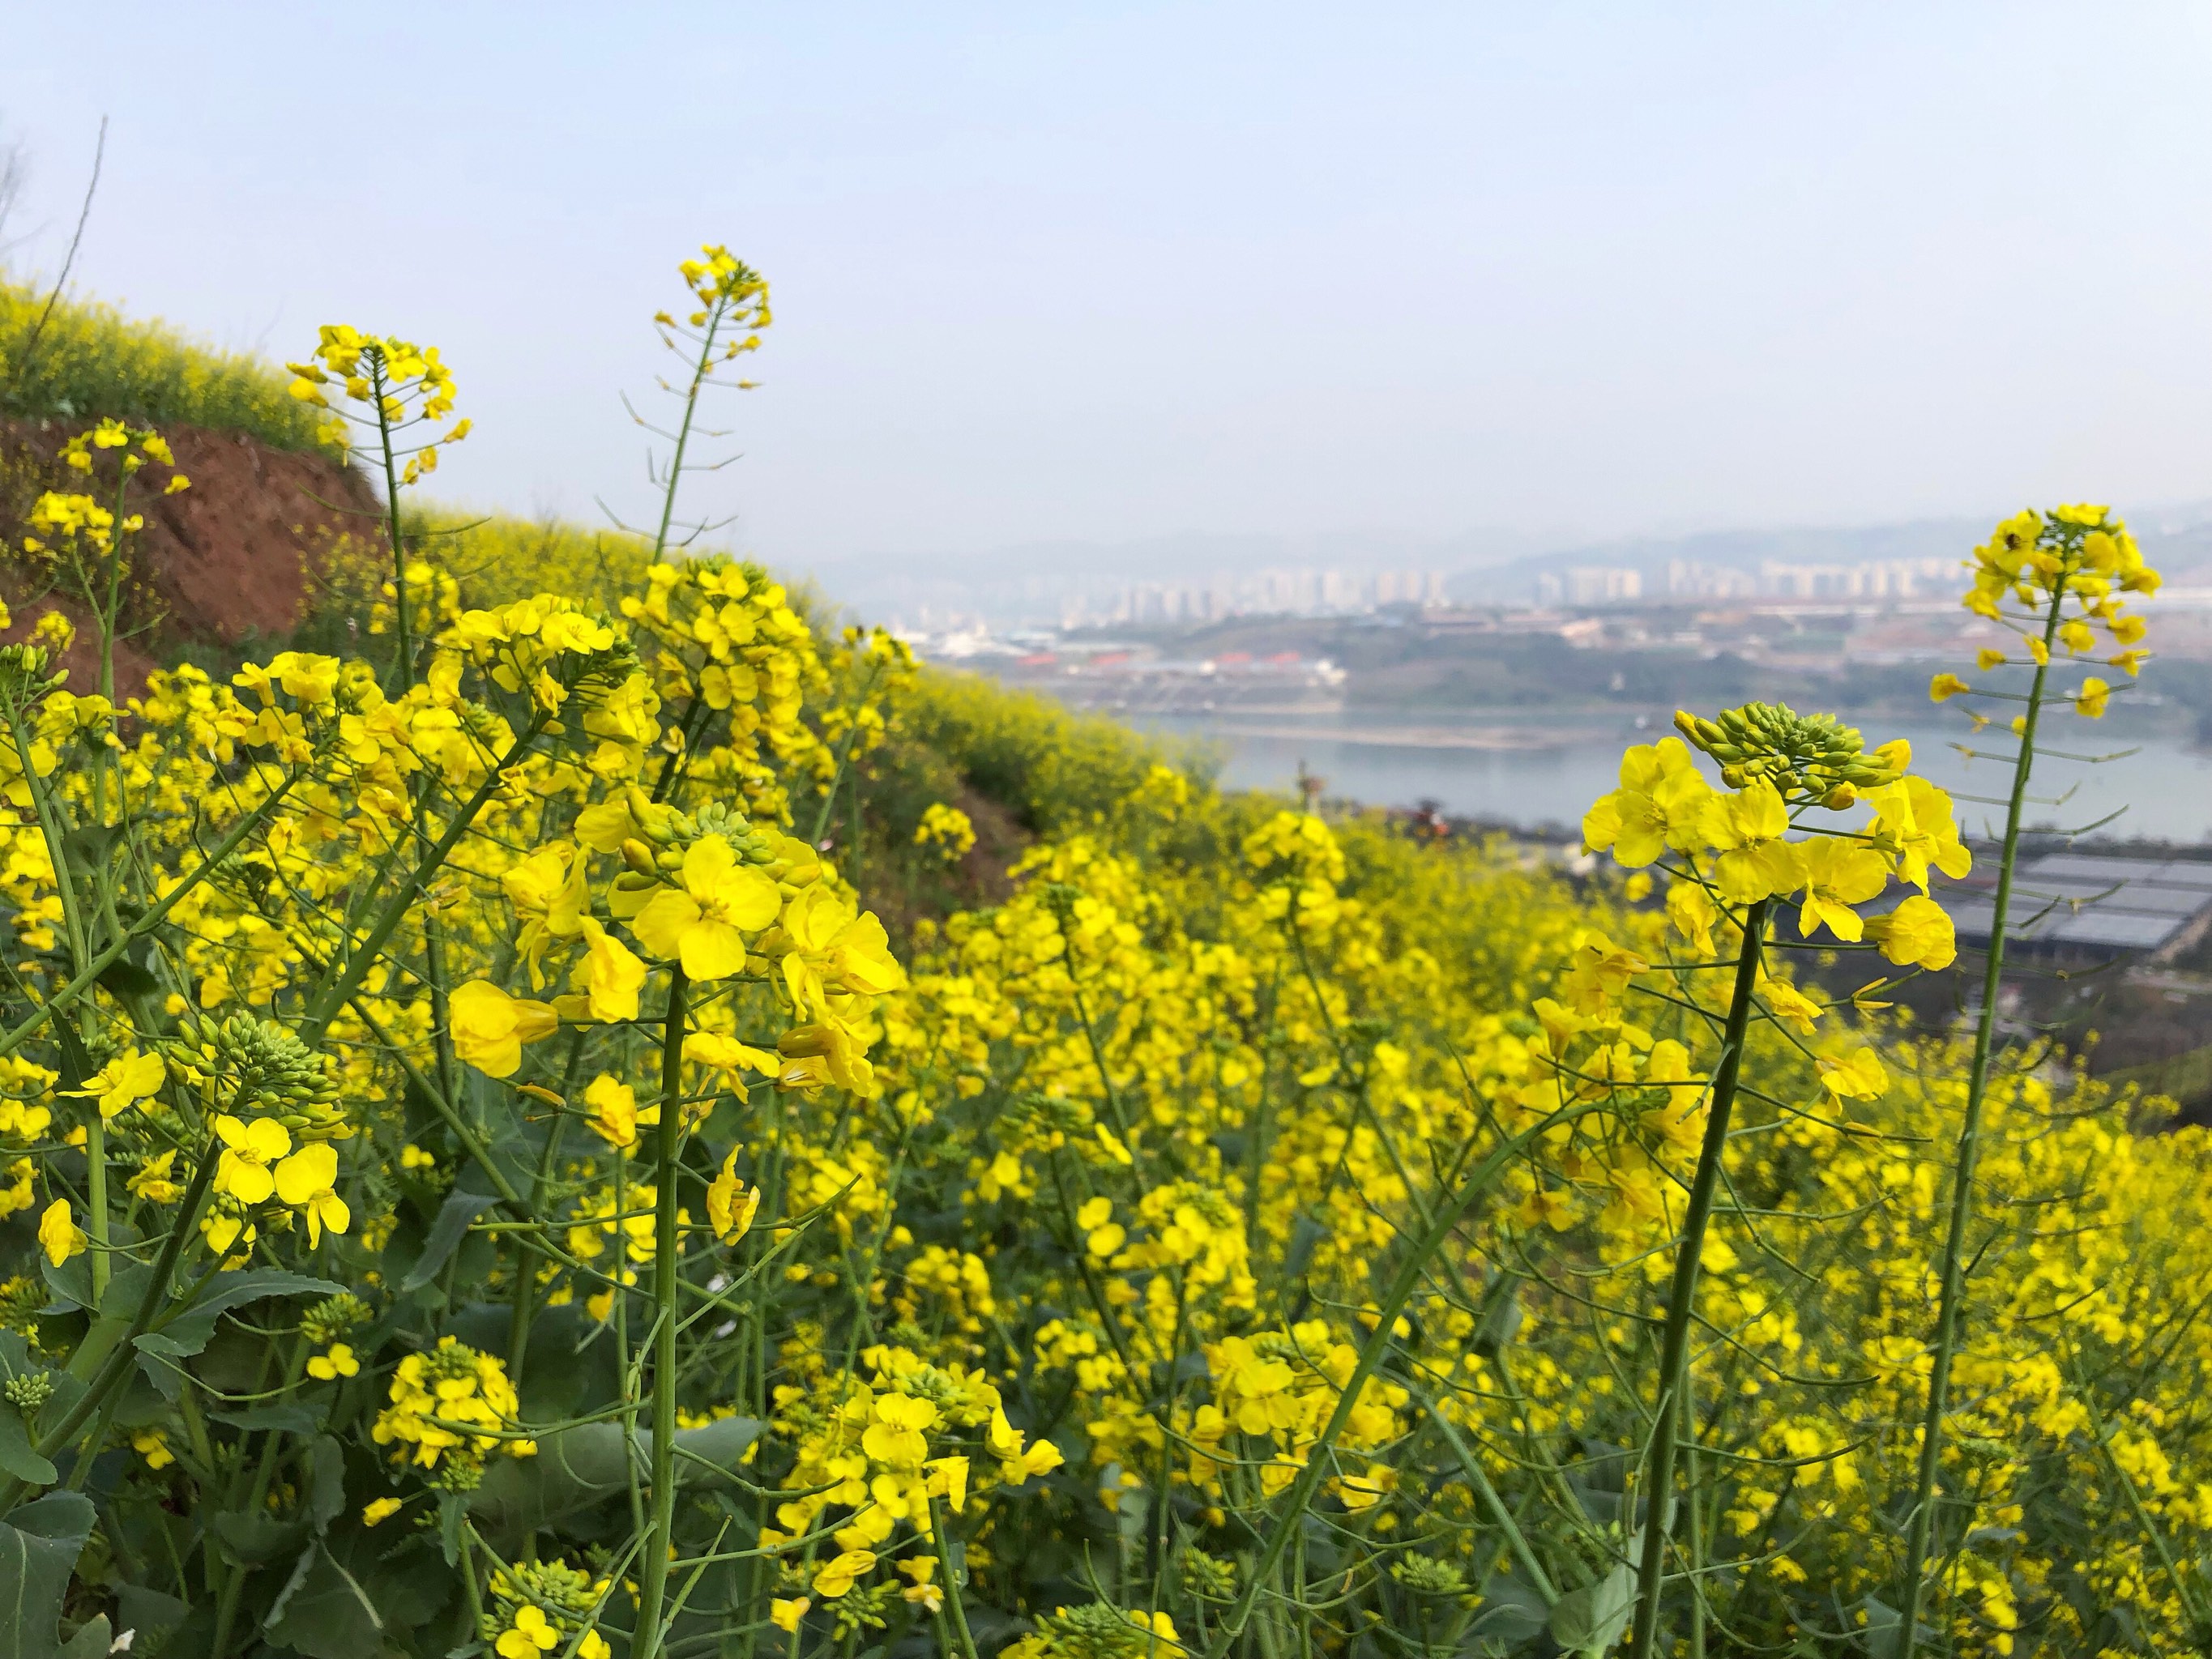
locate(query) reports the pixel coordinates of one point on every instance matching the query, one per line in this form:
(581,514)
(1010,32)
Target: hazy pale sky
(1117,271)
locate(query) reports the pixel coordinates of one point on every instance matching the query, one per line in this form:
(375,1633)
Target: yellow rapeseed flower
(702,922)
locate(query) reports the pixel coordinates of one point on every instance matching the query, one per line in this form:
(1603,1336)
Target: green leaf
(1511,1611)
(92,1640)
(71,1282)
(18,1459)
(189,1332)
(38,1547)
(326,1489)
(579,1468)
(276,1417)
(324,1612)
(1304,1237)
(453,1511)
(253,1541)
(151,1615)
(1591,1619)
(446,1232)
(355,1596)
(1878,1635)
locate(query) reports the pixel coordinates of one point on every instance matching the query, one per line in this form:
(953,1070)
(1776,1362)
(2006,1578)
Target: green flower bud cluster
(335,1318)
(20,1299)
(252,1063)
(23,674)
(1054,1113)
(719,817)
(1424,1574)
(602,671)
(1208,1577)
(956,1401)
(1099,1631)
(28,1391)
(861,1608)
(663,833)
(564,1593)
(1806,757)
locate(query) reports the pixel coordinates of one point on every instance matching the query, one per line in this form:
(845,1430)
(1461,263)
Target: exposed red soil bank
(229,561)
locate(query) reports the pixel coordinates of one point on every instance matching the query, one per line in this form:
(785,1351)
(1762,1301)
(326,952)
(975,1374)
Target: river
(1529,777)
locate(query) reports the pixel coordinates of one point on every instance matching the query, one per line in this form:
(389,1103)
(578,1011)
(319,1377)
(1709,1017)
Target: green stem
(699,371)
(104,611)
(653,1575)
(96,1198)
(1920,1538)
(55,832)
(1681,1299)
(402,663)
(116,1367)
(1515,1540)
(89,974)
(334,997)
(953,1601)
(1319,1454)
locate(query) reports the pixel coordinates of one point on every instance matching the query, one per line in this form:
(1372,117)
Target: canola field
(480,1178)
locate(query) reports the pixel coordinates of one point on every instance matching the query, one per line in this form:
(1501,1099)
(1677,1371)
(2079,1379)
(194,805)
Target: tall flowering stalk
(397,399)
(2056,582)
(1733,861)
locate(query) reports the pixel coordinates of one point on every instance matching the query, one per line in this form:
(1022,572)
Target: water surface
(1550,777)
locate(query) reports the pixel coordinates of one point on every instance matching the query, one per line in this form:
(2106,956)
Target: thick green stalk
(1681,1299)
(96,1198)
(105,609)
(653,1575)
(1920,1537)
(55,831)
(954,1602)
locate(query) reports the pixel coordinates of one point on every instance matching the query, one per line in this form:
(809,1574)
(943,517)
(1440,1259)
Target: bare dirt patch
(230,561)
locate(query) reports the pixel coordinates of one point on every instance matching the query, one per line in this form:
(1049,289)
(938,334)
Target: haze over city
(1441,288)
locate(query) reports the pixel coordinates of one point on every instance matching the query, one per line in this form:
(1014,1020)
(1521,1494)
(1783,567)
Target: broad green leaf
(1511,1611)
(577,1468)
(189,1332)
(327,1488)
(251,1540)
(1591,1619)
(38,1547)
(151,1615)
(358,1594)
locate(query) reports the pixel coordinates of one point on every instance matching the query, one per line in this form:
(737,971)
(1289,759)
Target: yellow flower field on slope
(478,1176)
